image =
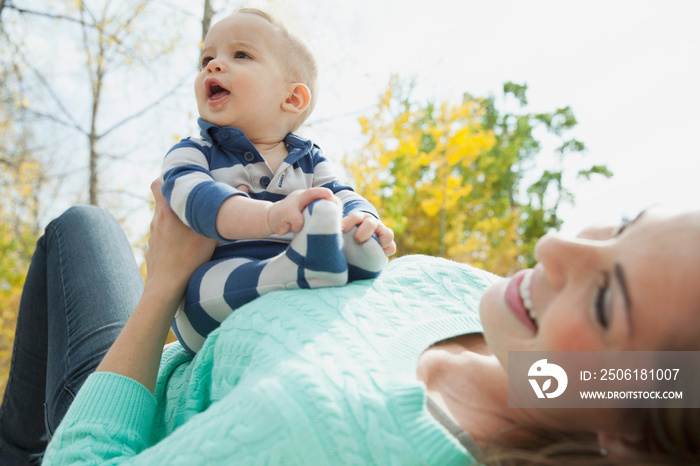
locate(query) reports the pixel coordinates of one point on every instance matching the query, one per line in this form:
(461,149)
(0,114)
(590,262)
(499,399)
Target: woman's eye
(241,55)
(602,302)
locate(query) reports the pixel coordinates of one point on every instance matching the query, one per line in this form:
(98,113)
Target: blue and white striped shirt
(200,174)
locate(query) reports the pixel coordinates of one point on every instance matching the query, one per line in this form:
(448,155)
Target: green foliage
(449,178)
(18,234)
(20,178)
(595,170)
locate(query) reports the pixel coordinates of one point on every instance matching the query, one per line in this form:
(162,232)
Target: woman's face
(636,287)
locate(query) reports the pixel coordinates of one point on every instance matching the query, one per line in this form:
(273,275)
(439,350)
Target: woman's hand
(174,251)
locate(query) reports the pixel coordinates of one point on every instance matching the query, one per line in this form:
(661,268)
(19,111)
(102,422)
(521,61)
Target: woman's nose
(563,258)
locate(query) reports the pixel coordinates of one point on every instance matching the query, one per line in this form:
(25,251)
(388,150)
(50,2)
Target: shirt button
(265,181)
(225,134)
(248,156)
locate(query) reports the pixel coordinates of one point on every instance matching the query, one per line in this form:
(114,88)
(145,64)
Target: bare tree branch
(44,14)
(148,107)
(56,120)
(72,123)
(119,40)
(106,37)
(176,8)
(80,21)
(85,9)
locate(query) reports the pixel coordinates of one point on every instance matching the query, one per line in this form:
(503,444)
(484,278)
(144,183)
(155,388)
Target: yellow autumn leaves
(413,168)
(18,233)
(447,177)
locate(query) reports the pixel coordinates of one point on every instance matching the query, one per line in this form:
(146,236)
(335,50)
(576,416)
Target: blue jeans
(82,285)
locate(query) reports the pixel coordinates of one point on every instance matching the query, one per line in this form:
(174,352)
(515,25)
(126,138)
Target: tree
(18,235)
(448,178)
(207,15)
(112,50)
(116,40)
(21,180)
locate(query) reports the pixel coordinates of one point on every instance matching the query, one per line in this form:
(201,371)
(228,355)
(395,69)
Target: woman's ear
(298,99)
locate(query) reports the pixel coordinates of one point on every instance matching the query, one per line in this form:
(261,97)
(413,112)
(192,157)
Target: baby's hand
(367,224)
(286,215)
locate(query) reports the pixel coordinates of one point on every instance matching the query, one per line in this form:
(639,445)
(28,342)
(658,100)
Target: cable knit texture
(302,377)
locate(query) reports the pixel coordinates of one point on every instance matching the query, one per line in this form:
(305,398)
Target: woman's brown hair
(670,436)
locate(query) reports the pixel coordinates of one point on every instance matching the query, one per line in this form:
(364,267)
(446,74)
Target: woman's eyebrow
(620,276)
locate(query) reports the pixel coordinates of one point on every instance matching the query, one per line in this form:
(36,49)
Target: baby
(282,218)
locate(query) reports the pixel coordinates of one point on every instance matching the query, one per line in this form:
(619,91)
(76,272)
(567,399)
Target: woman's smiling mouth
(517,297)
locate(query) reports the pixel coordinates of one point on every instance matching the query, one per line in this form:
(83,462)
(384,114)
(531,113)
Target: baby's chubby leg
(314,259)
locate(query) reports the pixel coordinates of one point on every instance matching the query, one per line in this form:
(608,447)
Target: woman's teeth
(525,294)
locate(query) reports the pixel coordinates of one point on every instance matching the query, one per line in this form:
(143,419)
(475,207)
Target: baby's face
(242,82)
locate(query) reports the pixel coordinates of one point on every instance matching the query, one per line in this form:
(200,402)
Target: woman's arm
(174,253)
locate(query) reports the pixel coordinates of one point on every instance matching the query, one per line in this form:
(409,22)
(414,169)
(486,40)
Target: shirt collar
(233,139)
(297,147)
(223,137)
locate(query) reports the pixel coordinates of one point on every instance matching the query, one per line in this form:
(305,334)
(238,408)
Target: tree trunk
(93,170)
(93,137)
(206,19)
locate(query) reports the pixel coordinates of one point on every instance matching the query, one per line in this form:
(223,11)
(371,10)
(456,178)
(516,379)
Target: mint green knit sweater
(303,377)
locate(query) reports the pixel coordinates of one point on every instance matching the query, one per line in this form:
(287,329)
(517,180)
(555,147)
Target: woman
(392,371)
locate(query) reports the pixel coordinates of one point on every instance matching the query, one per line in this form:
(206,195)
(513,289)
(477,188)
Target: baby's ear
(298,99)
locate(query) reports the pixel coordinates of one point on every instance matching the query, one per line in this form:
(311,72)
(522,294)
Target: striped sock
(314,259)
(365,260)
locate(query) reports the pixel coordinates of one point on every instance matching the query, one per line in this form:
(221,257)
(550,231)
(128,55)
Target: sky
(629,69)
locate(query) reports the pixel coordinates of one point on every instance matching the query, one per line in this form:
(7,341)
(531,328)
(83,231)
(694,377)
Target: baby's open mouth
(215,91)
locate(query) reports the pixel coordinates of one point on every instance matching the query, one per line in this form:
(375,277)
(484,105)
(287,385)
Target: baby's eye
(205,61)
(242,55)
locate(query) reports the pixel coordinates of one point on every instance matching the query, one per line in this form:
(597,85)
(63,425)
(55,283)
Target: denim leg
(82,285)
